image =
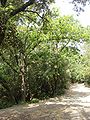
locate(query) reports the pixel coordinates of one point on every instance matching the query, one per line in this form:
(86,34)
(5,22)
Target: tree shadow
(75,105)
(46,111)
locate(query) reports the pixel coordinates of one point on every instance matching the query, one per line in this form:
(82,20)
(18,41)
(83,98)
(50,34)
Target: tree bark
(22,74)
(3,22)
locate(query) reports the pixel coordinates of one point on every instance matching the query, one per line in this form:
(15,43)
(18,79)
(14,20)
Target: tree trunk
(22,74)
(3,22)
(23,87)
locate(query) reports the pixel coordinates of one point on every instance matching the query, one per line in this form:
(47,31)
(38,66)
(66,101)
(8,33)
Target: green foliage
(34,100)
(38,61)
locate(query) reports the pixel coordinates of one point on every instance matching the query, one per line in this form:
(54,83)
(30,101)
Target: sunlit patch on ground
(80,88)
(31,106)
(74,105)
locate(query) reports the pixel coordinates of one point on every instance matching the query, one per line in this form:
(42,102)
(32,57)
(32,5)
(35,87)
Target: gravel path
(75,105)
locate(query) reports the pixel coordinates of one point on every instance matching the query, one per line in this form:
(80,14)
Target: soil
(75,105)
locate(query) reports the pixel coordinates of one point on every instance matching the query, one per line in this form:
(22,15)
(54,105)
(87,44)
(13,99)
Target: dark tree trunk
(3,22)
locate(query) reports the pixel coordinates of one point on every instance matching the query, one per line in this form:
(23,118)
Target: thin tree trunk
(3,22)
(22,74)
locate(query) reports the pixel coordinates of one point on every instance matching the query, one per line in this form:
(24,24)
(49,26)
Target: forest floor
(75,105)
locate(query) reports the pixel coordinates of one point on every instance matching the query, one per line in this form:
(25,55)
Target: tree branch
(34,12)
(4,83)
(8,63)
(64,46)
(22,8)
(43,18)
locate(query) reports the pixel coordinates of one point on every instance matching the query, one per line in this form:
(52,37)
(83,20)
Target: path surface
(75,105)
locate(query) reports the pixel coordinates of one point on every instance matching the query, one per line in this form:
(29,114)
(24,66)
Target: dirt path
(75,105)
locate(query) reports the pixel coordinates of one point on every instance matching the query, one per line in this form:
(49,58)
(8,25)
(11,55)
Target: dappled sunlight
(31,106)
(50,103)
(85,99)
(79,95)
(74,105)
(80,88)
(53,103)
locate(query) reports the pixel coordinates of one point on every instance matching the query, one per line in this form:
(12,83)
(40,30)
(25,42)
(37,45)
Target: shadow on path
(75,105)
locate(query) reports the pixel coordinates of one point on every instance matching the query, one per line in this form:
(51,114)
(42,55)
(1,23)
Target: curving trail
(75,105)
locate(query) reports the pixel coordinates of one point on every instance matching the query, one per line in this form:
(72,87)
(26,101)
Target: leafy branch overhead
(40,51)
(12,8)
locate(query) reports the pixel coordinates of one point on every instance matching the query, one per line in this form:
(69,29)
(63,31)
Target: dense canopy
(40,52)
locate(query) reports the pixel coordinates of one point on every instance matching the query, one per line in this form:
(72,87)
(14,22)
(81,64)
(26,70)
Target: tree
(9,9)
(10,14)
(79,5)
(86,62)
(36,56)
